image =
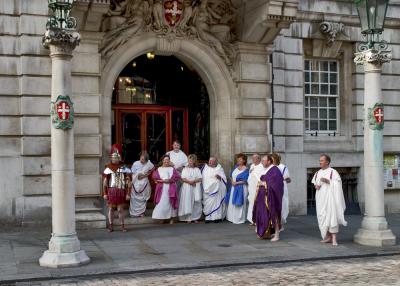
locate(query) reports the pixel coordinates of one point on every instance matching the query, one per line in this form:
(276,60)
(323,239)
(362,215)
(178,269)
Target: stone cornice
(348,20)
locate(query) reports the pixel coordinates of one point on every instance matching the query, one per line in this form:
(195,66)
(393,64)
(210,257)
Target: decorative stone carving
(331,30)
(372,56)
(210,21)
(167,46)
(64,40)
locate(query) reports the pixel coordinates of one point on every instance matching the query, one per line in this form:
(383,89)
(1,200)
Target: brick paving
(366,271)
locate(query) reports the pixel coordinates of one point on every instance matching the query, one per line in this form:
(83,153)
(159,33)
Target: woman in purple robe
(166,194)
(268,202)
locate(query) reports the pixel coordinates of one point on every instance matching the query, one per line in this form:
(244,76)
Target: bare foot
(171,221)
(335,243)
(275,238)
(326,240)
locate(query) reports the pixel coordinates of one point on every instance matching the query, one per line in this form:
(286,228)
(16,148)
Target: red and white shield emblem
(173,11)
(63,110)
(378,114)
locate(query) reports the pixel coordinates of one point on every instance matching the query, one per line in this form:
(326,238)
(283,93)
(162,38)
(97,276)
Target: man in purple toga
(268,202)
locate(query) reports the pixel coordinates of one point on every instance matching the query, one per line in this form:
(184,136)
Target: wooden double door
(150,127)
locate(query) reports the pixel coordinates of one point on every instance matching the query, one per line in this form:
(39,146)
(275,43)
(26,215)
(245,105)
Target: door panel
(131,135)
(177,126)
(156,135)
(151,128)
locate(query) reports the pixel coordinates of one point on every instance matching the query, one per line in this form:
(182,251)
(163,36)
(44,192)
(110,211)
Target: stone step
(88,210)
(129,221)
(135,220)
(89,220)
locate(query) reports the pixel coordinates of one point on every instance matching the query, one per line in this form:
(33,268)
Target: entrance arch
(209,66)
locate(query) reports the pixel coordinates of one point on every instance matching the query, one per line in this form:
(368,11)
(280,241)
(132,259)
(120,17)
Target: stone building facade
(257,59)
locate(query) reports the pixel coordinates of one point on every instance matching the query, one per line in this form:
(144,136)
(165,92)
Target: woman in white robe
(237,195)
(141,188)
(329,200)
(190,207)
(214,191)
(166,194)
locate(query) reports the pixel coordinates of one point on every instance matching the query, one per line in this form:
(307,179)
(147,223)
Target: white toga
(329,201)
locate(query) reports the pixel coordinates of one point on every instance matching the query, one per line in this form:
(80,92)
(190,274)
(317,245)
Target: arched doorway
(222,92)
(156,100)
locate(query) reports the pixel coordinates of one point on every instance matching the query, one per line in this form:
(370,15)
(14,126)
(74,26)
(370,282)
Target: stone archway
(207,63)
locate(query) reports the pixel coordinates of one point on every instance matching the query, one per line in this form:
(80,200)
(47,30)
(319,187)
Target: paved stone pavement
(179,246)
(371,271)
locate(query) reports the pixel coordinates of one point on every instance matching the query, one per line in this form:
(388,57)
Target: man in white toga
(329,200)
(214,191)
(256,170)
(178,158)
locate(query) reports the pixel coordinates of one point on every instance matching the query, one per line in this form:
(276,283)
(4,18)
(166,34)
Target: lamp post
(372,54)
(61,39)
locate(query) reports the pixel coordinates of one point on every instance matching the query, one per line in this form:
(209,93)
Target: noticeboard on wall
(391,170)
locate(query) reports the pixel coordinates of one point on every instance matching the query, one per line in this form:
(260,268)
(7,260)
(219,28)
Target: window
(321,88)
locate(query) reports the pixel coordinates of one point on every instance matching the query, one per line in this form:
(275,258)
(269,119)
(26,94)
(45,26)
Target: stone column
(64,246)
(374,229)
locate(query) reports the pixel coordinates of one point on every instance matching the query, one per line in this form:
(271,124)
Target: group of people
(258,193)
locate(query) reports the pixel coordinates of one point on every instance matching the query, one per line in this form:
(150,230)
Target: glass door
(151,128)
(156,135)
(132,137)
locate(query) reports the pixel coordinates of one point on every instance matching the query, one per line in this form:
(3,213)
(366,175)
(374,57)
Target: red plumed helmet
(116,151)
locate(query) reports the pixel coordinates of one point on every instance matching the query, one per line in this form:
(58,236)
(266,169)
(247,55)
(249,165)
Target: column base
(59,260)
(374,232)
(64,251)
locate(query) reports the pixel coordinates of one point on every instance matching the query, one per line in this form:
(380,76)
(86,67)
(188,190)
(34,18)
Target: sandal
(123,228)
(110,228)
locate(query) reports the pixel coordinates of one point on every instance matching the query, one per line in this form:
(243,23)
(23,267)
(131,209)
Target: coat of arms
(376,117)
(62,112)
(173,10)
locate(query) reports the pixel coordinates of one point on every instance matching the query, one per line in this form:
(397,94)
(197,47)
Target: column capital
(61,41)
(372,58)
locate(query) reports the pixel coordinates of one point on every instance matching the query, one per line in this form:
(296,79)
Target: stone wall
(25,83)
(304,40)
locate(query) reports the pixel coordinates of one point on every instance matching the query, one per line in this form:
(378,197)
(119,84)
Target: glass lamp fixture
(60,14)
(372,15)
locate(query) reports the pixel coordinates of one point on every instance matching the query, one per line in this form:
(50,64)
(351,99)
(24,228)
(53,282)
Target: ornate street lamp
(61,39)
(372,55)
(372,15)
(60,18)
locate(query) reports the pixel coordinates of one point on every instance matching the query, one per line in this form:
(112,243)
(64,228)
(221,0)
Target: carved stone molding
(61,40)
(331,30)
(167,46)
(374,57)
(209,21)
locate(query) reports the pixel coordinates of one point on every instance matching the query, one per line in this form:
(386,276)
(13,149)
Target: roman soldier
(116,186)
